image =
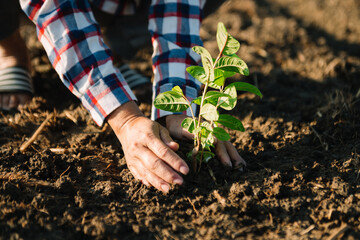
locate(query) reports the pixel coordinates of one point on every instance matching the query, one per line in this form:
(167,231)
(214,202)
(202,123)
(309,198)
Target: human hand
(224,150)
(148,148)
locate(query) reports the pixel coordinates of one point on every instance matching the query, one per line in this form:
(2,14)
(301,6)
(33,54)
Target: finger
(138,176)
(221,152)
(155,181)
(186,134)
(234,155)
(160,168)
(165,136)
(167,155)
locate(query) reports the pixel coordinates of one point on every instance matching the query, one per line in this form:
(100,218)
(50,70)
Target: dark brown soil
(301,144)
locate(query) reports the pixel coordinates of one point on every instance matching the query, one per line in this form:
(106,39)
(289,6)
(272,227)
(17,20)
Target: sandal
(132,77)
(15,79)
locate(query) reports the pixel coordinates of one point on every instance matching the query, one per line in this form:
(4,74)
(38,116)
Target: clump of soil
(301,143)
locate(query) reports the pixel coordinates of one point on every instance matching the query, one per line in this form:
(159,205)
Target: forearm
(72,40)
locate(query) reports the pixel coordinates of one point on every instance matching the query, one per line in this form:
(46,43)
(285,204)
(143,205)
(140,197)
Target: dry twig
(70,116)
(309,229)
(26,144)
(343,228)
(193,206)
(64,171)
(324,144)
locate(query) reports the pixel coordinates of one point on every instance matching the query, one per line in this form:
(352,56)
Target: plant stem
(202,100)
(191,110)
(198,136)
(194,154)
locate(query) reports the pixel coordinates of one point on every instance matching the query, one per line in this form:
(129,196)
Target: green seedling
(213,74)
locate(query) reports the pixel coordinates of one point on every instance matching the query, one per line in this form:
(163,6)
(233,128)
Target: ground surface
(301,144)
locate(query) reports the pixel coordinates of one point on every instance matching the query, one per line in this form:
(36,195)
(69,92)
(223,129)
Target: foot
(13,52)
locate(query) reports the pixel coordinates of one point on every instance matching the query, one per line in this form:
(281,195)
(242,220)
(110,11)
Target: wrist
(122,115)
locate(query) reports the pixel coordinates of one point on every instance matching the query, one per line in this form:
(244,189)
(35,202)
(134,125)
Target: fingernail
(178,181)
(165,187)
(184,170)
(228,164)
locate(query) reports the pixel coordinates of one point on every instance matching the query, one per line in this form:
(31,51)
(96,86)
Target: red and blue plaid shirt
(71,37)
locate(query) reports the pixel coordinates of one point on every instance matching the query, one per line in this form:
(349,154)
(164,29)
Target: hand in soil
(148,148)
(225,151)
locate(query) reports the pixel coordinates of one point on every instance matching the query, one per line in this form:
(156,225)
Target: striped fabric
(15,79)
(71,37)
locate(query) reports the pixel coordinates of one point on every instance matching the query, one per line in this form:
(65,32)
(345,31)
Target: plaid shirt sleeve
(72,40)
(174,26)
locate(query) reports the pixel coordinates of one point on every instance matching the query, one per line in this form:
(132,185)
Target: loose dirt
(301,143)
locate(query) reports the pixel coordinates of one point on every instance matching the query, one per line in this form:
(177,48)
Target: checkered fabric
(71,37)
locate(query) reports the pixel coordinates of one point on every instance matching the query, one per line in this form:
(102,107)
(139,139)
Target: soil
(301,143)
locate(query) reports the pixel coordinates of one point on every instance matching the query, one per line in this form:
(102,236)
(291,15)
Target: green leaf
(213,97)
(220,77)
(207,125)
(209,112)
(210,97)
(207,156)
(171,101)
(197,100)
(177,89)
(198,73)
(207,139)
(230,122)
(188,124)
(232,64)
(247,87)
(221,134)
(229,102)
(226,43)
(206,60)
(197,130)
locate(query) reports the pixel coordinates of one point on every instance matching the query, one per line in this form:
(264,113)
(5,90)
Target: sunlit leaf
(207,125)
(207,140)
(177,89)
(220,77)
(229,102)
(221,134)
(206,60)
(247,87)
(213,97)
(188,124)
(226,43)
(197,100)
(197,130)
(230,122)
(232,64)
(198,73)
(209,112)
(171,101)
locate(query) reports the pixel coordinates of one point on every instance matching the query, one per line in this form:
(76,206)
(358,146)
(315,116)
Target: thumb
(165,137)
(186,134)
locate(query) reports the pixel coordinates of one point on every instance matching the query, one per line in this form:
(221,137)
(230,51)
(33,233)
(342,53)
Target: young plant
(213,74)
